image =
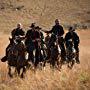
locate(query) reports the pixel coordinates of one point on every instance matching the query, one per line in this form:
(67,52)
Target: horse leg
(73,62)
(36,60)
(44,64)
(18,70)
(15,71)
(24,71)
(9,72)
(61,63)
(52,63)
(36,64)
(58,65)
(70,65)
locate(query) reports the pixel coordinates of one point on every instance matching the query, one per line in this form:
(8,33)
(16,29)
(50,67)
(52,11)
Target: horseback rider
(18,31)
(32,38)
(15,32)
(29,42)
(57,32)
(75,38)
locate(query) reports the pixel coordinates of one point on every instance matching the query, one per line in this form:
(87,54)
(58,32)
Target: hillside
(43,12)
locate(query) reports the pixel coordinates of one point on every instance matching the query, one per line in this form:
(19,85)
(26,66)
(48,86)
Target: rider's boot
(7,50)
(3,59)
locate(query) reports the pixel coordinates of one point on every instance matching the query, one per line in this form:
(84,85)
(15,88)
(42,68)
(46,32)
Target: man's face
(57,22)
(19,26)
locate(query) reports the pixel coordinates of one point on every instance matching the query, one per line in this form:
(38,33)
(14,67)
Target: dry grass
(44,12)
(76,79)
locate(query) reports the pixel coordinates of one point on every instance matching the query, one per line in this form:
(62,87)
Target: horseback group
(62,50)
(33,48)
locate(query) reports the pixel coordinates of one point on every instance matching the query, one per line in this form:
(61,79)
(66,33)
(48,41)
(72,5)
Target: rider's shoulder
(55,27)
(68,33)
(59,27)
(74,33)
(22,29)
(13,30)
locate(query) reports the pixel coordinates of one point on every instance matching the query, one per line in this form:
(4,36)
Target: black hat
(37,27)
(71,29)
(32,25)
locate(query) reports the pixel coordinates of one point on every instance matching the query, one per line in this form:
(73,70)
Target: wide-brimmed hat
(71,29)
(37,27)
(32,25)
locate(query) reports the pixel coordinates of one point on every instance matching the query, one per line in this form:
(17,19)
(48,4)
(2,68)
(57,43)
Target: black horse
(53,52)
(16,57)
(71,54)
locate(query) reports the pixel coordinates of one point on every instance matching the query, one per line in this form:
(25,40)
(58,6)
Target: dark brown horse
(53,54)
(71,54)
(16,59)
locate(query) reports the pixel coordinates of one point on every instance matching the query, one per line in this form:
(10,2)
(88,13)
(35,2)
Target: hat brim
(38,28)
(31,26)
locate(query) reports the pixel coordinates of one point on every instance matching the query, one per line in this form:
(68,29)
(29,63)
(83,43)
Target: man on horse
(32,39)
(58,32)
(75,38)
(29,43)
(15,32)
(18,31)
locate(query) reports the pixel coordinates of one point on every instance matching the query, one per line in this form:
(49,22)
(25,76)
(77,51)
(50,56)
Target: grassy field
(44,12)
(76,79)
